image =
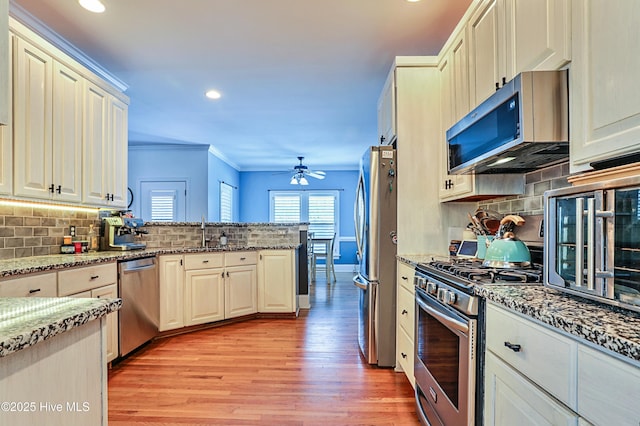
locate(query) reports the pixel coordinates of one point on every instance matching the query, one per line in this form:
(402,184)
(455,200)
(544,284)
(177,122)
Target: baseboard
(303,301)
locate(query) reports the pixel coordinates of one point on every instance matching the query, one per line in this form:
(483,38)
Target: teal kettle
(506,250)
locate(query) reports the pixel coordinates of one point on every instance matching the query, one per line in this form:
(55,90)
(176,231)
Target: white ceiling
(298,77)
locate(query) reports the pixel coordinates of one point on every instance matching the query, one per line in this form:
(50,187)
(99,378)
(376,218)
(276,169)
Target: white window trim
(304,209)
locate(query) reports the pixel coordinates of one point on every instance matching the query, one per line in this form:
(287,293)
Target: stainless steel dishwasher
(139,291)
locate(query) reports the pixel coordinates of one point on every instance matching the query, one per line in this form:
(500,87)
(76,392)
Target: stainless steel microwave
(592,241)
(523,126)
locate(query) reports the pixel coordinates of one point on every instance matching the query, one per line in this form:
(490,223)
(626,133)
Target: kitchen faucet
(204,240)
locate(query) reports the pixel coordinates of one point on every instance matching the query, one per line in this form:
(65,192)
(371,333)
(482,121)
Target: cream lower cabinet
(171,278)
(535,375)
(33,285)
(511,399)
(604,105)
(203,288)
(277,282)
(94,281)
(405,321)
(240,284)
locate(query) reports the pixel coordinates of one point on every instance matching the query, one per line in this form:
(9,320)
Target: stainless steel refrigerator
(375,221)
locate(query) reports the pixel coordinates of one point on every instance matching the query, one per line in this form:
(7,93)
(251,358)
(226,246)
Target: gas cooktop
(472,271)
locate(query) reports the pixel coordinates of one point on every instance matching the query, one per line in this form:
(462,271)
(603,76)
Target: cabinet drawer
(40,285)
(604,381)
(203,261)
(81,279)
(406,310)
(241,258)
(405,276)
(545,357)
(405,355)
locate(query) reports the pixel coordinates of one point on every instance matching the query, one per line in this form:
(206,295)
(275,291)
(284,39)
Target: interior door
(163,201)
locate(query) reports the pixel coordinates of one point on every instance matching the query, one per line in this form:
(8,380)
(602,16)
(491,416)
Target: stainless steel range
(449,336)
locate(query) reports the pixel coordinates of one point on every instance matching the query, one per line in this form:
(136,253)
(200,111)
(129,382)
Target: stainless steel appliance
(118,233)
(592,241)
(449,337)
(521,127)
(139,291)
(375,221)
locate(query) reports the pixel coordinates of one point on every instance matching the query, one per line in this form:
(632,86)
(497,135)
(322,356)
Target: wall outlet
(72,231)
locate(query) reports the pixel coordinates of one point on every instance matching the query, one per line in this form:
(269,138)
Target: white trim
(214,151)
(34,24)
(303,301)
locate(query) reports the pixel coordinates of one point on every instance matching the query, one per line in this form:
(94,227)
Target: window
(163,206)
(226,202)
(319,208)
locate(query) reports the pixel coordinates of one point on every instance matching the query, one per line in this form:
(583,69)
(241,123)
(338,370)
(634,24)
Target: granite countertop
(25,321)
(29,265)
(610,327)
(613,328)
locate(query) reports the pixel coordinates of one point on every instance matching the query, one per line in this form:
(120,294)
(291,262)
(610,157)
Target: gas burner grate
(474,271)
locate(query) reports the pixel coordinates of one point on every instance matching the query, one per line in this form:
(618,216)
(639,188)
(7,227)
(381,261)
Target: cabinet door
(510,399)
(276,282)
(67,133)
(204,296)
(109,292)
(171,292)
(117,153)
(538,35)
(33,70)
(387,111)
(605,94)
(241,291)
(604,381)
(484,51)
(449,185)
(460,76)
(32,285)
(6,131)
(95,135)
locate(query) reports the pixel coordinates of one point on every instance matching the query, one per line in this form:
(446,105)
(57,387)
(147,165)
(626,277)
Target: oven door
(445,366)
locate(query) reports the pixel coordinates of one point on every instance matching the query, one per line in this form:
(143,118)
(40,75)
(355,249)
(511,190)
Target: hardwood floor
(305,371)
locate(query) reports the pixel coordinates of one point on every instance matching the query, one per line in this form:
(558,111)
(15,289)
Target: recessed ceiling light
(213,94)
(413,1)
(94,6)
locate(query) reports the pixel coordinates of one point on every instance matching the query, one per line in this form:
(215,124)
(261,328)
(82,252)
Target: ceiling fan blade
(317,174)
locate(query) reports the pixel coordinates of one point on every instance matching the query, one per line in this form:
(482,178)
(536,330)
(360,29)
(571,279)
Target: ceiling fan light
(94,6)
(304,181)
(294,181)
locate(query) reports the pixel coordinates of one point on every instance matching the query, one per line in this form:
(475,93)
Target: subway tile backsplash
(531,202)
(35,231)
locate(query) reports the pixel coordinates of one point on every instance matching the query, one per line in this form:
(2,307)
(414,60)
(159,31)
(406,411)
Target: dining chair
(328,257)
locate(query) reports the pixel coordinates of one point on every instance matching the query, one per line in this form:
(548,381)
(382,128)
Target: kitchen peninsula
(52,360)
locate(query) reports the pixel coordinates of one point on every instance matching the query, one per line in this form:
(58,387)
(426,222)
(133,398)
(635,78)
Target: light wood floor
(304,371)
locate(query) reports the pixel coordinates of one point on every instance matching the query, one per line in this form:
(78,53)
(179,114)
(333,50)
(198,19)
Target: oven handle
(444,317)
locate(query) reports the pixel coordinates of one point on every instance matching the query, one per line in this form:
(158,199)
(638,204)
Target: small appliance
(118,232)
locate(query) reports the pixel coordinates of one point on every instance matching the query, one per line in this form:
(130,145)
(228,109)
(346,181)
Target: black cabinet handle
(497,86)
(35,290)
(504,80)
(513,346)
(404,312)
(51,188)
(405,278)
(403,355)
(59,189)
(381,139)
(95,277)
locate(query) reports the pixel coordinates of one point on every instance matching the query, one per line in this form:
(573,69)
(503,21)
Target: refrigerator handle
(356,217)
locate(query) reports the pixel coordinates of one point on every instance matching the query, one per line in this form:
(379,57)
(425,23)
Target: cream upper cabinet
(6,133)
(507,37)
(387,111)
(458,57)
(105,148)
(277,282)
(171,278)
(5,77)
(605,95)
(48,126)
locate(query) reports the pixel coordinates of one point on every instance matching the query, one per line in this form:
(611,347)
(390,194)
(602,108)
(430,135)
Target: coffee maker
(118,231)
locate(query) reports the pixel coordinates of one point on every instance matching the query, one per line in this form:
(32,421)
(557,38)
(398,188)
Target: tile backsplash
(35,231)
(531,202)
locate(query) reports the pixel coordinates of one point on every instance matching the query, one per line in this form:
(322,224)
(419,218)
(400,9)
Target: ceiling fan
(300,172)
